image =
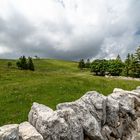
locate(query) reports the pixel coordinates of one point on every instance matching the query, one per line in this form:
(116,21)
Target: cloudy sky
(69,29)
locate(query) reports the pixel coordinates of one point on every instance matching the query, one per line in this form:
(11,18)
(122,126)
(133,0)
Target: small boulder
(9,132)
(28,132)
(38,114)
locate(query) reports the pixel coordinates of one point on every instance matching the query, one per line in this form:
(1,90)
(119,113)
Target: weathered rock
(138,88)
(28,132)
(121,110)
(138,124)
(92,117)
(137,92)
(9,132)
(39,113)
(56,125)
(106,132)
(100,117)
(90,113)
(118,111)
(137,137)
(112,110)
(117,90)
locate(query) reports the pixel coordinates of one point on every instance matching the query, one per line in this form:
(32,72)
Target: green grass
(53,82)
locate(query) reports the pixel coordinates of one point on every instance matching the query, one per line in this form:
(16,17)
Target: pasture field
(52,82)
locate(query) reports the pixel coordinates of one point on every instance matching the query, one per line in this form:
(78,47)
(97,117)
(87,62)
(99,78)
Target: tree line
(115,67)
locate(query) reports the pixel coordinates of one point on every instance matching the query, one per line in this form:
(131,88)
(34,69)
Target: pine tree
(137,54)
(133,66)
(137,61)
(30,64)
(87,65)
(81,64)
(23,62)
(127,65)
(118,58)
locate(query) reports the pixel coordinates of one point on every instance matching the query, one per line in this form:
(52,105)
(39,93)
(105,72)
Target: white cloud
(4,49)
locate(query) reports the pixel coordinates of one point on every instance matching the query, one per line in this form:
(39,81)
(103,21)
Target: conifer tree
(127,65)
(87,64)
(23,64)
(30,64)
(118,58)
(137,54)
(81,64)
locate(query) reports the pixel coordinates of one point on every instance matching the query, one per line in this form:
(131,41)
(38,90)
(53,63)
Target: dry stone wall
(92,117)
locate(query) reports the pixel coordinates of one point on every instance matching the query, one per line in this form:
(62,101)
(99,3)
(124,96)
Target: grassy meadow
(52,82)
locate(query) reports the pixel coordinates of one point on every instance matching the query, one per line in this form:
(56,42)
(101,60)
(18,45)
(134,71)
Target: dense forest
(129,67)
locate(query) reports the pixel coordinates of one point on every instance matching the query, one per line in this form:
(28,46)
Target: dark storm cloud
(14,32)
(137,32)
(108,29)
(22,38)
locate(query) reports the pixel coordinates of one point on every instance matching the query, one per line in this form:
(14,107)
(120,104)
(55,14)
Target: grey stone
(137,137)
(122,114)
(39,113)
(117,90)
(9,132)
(28,132)
(138,87)
(89,110)
(56,125)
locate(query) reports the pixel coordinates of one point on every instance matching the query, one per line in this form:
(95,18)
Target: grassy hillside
(54,81)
